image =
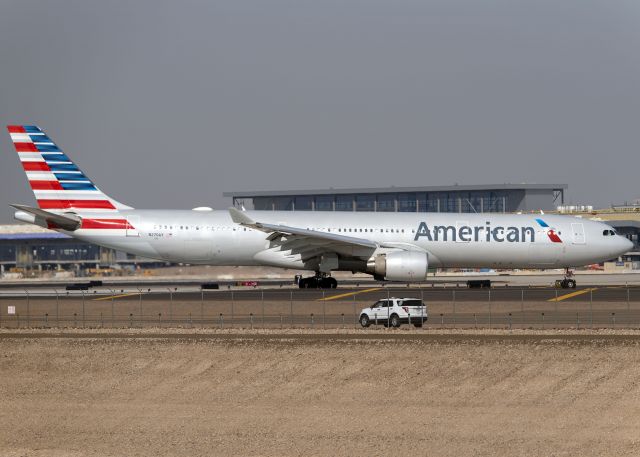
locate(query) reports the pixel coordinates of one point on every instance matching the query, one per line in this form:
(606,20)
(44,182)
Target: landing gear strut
(318,282)
(568,282)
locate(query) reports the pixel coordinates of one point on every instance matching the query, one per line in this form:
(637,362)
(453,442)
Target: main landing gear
(317,282)
(568,282)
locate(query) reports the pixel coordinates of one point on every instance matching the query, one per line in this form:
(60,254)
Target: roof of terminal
(386,190)
(28,232)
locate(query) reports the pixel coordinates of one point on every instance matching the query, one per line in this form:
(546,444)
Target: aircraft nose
(623,245)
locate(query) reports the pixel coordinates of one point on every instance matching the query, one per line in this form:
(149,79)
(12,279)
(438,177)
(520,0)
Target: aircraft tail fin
(57,182)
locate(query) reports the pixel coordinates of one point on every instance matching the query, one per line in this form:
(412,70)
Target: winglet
(240,217)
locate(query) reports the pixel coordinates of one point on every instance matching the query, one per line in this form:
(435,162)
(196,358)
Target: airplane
(388,246)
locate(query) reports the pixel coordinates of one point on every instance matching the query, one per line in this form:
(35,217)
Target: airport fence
(286,308)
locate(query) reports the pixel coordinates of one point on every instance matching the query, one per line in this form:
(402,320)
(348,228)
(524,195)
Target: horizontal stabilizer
(63,221)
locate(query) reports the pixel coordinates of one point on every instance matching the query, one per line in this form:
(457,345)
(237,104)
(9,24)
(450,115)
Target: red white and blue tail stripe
(56,181)
(59,185)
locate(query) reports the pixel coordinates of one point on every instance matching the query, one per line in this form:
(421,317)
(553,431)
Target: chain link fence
(500,308)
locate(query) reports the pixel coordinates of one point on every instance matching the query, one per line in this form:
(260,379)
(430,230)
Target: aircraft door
(577,232)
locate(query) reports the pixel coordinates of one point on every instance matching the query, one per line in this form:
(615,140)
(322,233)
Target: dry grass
(149,397)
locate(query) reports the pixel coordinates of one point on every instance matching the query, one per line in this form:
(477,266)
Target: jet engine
(399,266)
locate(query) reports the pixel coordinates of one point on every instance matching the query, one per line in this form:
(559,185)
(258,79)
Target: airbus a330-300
(389,246)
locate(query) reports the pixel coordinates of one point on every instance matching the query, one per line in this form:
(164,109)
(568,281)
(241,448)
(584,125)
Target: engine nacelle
(399,266)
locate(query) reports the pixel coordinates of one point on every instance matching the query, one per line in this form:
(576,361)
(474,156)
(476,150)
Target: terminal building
(31,249)
(499,198)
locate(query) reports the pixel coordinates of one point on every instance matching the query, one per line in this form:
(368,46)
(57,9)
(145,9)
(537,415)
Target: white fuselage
(449,239)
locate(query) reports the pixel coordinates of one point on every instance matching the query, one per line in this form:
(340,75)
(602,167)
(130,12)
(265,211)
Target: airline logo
(58,184)
(56,181)
(551,233)
(466,233)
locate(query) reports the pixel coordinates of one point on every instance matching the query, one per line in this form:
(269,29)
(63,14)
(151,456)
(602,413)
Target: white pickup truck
(394,312)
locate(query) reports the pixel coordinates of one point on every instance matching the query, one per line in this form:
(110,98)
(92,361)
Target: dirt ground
(288,395)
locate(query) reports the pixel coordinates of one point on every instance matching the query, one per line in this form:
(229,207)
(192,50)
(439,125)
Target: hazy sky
(168,104)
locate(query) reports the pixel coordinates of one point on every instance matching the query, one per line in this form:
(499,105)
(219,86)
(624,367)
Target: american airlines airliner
(389,246)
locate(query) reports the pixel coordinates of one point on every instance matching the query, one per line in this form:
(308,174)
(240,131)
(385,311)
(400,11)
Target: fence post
(280,321)
(628,307)
(28,309)
(343,326)
(489,290)
(591,308)
(577,322)
(454,307)
(522,305)
(509,321)
(355,316)
(160,320)
(140,306)
(101,320)
(190,321)
(221,321)
(311,320)
(233,299)
(113,293)
(542,321)
(324,312)
(613,319)
(82,291)
(291,309)
(475,320)
(262,299)
(75,320)
(251,320)
(201,306)
(57,308)
(441,321)
(46,319)
(170,303)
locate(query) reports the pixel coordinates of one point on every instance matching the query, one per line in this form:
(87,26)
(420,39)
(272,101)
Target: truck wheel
(395,321)
(365,321)
(571,284)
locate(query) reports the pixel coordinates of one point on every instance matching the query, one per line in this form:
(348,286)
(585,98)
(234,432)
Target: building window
(407,203)
(386,202)
(365,202)
(283,203)
(344,202)
(304,203)
(324,203)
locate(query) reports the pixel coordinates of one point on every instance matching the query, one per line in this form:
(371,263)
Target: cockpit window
(608,233)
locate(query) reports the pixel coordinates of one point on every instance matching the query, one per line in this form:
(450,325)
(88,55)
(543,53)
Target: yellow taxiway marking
(573,294)
(349,294)
(116,296)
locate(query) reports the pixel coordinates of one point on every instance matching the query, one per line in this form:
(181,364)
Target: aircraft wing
(296,235)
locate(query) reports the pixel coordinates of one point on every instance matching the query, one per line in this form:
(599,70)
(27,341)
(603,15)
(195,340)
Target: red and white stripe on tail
(59,185)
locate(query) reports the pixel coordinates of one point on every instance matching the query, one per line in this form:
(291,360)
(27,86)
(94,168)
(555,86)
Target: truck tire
(365,321)
(395,321)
